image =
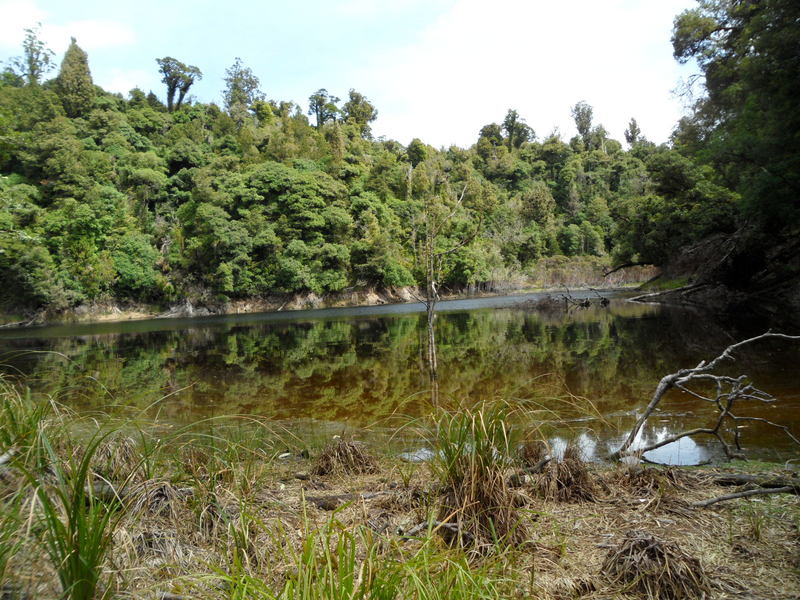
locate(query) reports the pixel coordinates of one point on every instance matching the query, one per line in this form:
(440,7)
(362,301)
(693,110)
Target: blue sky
(435,69)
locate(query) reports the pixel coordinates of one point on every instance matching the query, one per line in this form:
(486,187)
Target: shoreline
(550,274)
(114,313)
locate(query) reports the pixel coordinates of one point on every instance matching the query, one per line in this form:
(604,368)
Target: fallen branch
(746,493)
(729,390)
(434,526)
(334,502)
(518,478)
(625,266)
(745,479)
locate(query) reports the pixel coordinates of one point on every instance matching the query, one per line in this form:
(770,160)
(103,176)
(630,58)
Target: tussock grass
(345,457)
(78,525)
(657,569)
(472,464)
(531,453)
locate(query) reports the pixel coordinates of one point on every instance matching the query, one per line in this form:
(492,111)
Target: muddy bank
(550,274)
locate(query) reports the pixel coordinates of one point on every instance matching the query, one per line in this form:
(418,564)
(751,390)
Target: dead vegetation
(657,569)
(345,458)
(568,479)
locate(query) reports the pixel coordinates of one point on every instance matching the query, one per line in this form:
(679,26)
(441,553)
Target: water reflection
(583,373)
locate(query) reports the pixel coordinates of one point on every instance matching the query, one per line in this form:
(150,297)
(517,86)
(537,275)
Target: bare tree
(433,244)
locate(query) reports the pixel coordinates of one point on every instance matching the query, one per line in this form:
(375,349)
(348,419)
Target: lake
(579,375)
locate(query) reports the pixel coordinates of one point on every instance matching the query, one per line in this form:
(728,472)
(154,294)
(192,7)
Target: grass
(345,457)
(475,449)
(656,569)
(78,524)
(216,511)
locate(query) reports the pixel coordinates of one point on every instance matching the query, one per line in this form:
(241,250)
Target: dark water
(581,375)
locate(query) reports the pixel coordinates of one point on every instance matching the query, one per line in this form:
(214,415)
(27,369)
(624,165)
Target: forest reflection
(589,368)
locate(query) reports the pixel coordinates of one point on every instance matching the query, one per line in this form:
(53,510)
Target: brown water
(581,374)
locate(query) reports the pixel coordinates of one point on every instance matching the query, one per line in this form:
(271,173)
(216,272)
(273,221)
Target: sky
(438,70)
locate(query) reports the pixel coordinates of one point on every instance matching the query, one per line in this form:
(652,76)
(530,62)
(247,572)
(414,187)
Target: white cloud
(124,80)
(370,8)
(92,34)
(476,61)
(17,15)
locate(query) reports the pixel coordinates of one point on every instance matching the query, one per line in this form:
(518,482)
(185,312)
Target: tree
(178,78)
(747,124)
(37,58)
(517,132)
(323,106)
(632,133)
(417,152)
(359,111)
(74,82)
(241,87)
(582,113)
(493,133)
(440,234)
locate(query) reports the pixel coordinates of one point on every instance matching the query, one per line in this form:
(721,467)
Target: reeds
(78,525)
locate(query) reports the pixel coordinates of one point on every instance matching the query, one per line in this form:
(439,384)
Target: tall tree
(747,124)
(360,111)
(632,133)
(517,132)
(37,58)
(323,106)
(178,78)
(74,82)
(241,86)
(582,113)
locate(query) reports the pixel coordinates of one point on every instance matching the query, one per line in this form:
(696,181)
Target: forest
(159,197)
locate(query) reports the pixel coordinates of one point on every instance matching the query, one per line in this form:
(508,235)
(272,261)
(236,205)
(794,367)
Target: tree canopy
(105,197)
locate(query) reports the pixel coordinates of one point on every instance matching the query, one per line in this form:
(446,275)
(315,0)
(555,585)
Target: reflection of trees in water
(364,369)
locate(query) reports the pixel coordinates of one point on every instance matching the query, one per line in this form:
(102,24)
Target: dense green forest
(157,199)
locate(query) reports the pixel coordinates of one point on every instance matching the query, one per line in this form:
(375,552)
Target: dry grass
(569,479)
(657,569)
(345,458)
(531,452)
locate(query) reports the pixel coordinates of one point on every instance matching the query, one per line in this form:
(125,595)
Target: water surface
(583,372)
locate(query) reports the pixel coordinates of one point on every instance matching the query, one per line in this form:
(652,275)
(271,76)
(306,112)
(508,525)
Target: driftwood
(746,493)
(764,485)
(729,391)
(518,478)
(453,528)
(760,481)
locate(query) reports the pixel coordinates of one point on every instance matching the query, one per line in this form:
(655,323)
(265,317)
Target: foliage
(746,125)
(128,199)
(74,82)
(78,525)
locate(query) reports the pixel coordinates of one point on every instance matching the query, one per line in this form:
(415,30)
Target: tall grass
(472,459)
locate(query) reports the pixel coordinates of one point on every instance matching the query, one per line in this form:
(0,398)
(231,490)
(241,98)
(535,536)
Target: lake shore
(237,512)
